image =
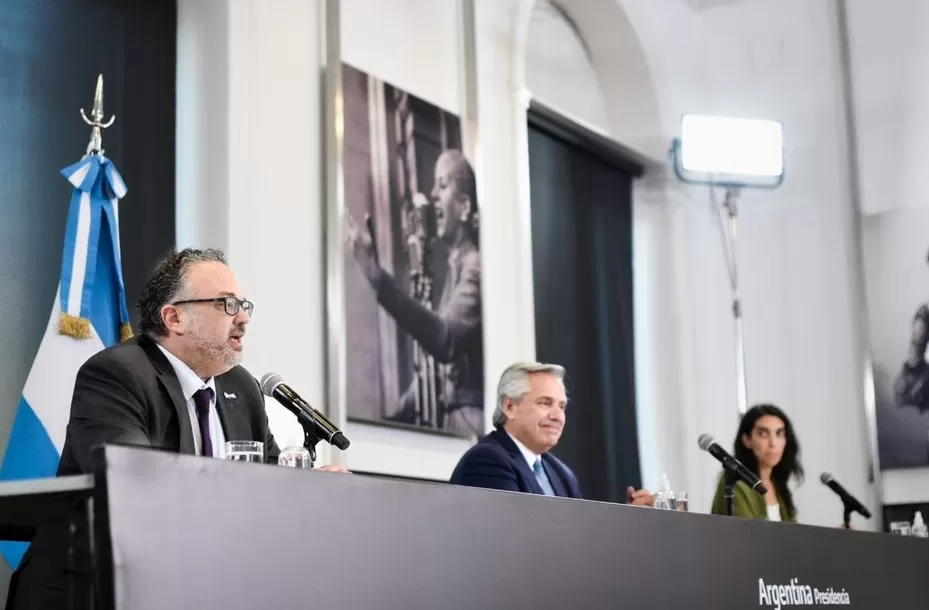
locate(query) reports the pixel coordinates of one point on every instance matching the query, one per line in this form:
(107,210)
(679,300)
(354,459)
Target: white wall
(890,60)
(652,63)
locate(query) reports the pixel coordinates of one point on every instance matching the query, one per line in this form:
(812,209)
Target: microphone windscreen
(826,478)
(269,383)
(705,441)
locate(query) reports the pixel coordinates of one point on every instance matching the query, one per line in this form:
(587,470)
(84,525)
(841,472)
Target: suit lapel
(518,460)
(173,387)
(233,417)
(168,379)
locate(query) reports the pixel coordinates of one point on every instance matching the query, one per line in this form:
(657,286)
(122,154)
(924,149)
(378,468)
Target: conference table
(161,530)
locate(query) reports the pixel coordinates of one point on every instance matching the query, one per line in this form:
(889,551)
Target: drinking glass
(245,451)
(295,457)
(680,501)
(661,501)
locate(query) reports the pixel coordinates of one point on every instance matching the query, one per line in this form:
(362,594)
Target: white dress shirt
(529,455)
(190,384)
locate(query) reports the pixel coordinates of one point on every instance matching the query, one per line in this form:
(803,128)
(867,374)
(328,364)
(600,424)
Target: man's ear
(508,406)
(171,318)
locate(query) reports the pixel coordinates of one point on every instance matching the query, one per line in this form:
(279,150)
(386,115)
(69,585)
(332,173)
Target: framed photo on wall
(896,262)
(412,285)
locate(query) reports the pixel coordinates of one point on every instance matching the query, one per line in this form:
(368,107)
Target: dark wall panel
(50,54)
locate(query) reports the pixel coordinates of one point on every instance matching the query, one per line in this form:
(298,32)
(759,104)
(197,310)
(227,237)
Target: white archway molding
(559,69)
(627,56)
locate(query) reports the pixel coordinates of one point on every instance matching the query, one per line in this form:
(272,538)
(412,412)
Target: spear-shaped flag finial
(95,146)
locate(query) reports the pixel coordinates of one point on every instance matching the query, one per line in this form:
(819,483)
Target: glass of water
(680,501)
(245,451)
(662,501)
(295,457)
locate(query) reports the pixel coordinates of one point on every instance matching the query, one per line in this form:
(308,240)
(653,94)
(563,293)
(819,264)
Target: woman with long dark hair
(767,445)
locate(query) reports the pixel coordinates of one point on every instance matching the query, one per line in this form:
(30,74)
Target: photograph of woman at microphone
(412,295)
(767,445)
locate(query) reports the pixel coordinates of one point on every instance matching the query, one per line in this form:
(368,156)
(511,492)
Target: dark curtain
(582,275)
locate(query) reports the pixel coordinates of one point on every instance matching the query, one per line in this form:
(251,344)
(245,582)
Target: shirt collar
(190,381)
(527,454)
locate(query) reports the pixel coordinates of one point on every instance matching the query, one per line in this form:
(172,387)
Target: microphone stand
(310,439)
(731,479)
(846,516)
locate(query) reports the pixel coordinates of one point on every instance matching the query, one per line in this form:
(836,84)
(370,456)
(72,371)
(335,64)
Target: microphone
(731,464)
(273,385)
(851,503)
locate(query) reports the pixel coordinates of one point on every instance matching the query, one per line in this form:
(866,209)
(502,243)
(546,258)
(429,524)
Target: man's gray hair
(514,384)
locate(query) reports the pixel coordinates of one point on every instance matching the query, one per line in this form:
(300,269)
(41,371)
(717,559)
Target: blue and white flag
(89,314)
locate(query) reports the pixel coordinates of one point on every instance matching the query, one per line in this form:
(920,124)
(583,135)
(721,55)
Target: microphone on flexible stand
(316,426)
(735,470)
(850,503)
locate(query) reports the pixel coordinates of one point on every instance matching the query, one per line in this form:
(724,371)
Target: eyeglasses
(231,304)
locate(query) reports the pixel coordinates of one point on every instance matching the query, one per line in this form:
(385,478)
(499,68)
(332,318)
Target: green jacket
(746,503)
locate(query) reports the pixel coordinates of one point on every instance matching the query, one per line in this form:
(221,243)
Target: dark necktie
(202,399)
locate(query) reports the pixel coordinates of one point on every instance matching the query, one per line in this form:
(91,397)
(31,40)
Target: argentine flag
(89,314)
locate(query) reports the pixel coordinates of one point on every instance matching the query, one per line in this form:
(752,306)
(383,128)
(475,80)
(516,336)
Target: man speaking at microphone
(177,387)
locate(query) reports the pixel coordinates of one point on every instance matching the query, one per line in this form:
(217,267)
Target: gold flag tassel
(125,332)
(72,326)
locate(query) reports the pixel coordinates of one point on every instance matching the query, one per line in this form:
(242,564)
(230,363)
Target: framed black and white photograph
(896,261)
(413,311)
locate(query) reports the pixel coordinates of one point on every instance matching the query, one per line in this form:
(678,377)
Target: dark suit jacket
(129,394)
(496,463)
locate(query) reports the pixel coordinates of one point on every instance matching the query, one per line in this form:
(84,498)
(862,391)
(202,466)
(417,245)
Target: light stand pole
(733,154)
(731,208)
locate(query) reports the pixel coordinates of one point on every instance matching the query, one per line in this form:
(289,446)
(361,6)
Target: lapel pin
(228,395)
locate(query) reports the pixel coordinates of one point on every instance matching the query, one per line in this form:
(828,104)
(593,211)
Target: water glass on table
(295,457)
(245,451)
(662,501)
(671,500)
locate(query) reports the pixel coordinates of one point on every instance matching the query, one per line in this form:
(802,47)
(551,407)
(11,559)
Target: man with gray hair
(528,421)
